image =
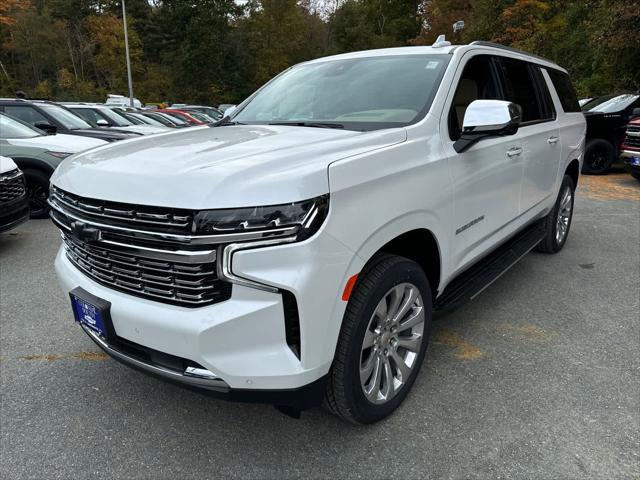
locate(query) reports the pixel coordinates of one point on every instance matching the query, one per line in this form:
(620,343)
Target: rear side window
(564,88)
(520,88)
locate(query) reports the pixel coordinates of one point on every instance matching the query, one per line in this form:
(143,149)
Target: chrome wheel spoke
(395,299)
(374,386)
(410,343)
(369,339)
(387,387)
(367,368)
(409,297)
(416,318)
(403,369)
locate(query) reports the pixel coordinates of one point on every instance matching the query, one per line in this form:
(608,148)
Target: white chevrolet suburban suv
(295,252)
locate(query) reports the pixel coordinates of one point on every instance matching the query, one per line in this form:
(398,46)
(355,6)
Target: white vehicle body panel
(6,165)
(59,142)
(381,184)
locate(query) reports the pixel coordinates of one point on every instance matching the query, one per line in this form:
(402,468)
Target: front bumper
(13,213)
(627,156)
(241,341)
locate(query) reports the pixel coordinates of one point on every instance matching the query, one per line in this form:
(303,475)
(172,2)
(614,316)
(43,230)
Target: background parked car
(189,117)
(14,203)
(53,118)
(607,118)
(168,120)
(224,106)
(38,155)
(631,148)
(122,101)
(211,112)
(102,116)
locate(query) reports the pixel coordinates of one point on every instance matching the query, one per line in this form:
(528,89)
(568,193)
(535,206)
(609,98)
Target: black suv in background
(53,118)
(607,119)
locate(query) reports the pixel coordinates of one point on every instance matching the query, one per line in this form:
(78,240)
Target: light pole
(126,50)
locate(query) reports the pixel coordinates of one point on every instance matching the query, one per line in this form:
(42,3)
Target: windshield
(65,117)
(359,93)
(610,104)
(12,128)
(115,117)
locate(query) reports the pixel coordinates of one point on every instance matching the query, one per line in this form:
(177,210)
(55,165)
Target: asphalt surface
(537,378)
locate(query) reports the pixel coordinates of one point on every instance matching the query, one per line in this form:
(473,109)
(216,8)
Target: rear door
(539,134)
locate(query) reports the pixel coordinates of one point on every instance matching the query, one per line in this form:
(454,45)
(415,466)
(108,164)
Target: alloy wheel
(391,343)
(564,215)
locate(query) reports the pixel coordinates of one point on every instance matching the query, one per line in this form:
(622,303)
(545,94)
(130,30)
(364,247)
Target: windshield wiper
(225,122)
(310,124)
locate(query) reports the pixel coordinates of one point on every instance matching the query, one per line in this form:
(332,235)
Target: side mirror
(47,127)
(102,123)
(488,118)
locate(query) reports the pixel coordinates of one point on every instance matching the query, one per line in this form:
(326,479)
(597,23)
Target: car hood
(106,133)
(145,129)
(58,143)
(222,167)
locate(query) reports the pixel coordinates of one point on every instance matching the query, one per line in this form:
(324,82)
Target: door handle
(514,152)
(552,140)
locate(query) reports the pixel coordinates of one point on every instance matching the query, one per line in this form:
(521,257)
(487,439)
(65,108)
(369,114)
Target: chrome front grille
(632,138)
(12,185)
(126,215)
(178,283)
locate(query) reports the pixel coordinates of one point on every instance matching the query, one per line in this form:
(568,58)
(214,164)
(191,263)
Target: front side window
(356,93)
(114,118)
(66,118)
(520,89)
(477,82)
(86,113)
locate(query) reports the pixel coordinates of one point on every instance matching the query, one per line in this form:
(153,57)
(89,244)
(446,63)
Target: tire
(598,157)
(385,279)
(636,175)
(38,192)
(558,222)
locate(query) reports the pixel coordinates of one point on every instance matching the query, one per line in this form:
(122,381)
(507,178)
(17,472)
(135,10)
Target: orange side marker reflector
(348,288)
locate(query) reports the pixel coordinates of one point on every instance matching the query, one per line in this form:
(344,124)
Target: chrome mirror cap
(490,115)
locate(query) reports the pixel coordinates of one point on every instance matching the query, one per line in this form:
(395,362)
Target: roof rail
(482,43)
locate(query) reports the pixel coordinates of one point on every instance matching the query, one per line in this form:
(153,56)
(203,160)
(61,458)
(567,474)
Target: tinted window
(25,113)
(564,88)
(86,113)
(477,82)
(65,117)
(520,89)
(544,97)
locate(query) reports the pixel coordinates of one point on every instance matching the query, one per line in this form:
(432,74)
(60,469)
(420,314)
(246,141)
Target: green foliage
(219,51)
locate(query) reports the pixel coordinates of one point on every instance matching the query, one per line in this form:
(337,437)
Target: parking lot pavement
(536,378)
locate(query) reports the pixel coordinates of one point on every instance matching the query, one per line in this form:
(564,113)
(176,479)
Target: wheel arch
(26,162)
(573,170)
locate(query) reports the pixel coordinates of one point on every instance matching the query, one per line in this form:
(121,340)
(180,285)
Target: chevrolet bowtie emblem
(84,232)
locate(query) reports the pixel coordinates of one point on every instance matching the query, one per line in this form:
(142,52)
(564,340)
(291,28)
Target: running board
(473,281)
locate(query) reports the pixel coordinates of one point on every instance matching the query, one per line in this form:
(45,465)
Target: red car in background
(189,117)
(631,148)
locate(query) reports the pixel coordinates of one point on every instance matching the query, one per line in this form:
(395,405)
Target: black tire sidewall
(597,144)
(33,176)
(401,272)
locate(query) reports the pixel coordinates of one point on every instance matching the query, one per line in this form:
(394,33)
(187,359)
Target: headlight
(301,219)
(59,154)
